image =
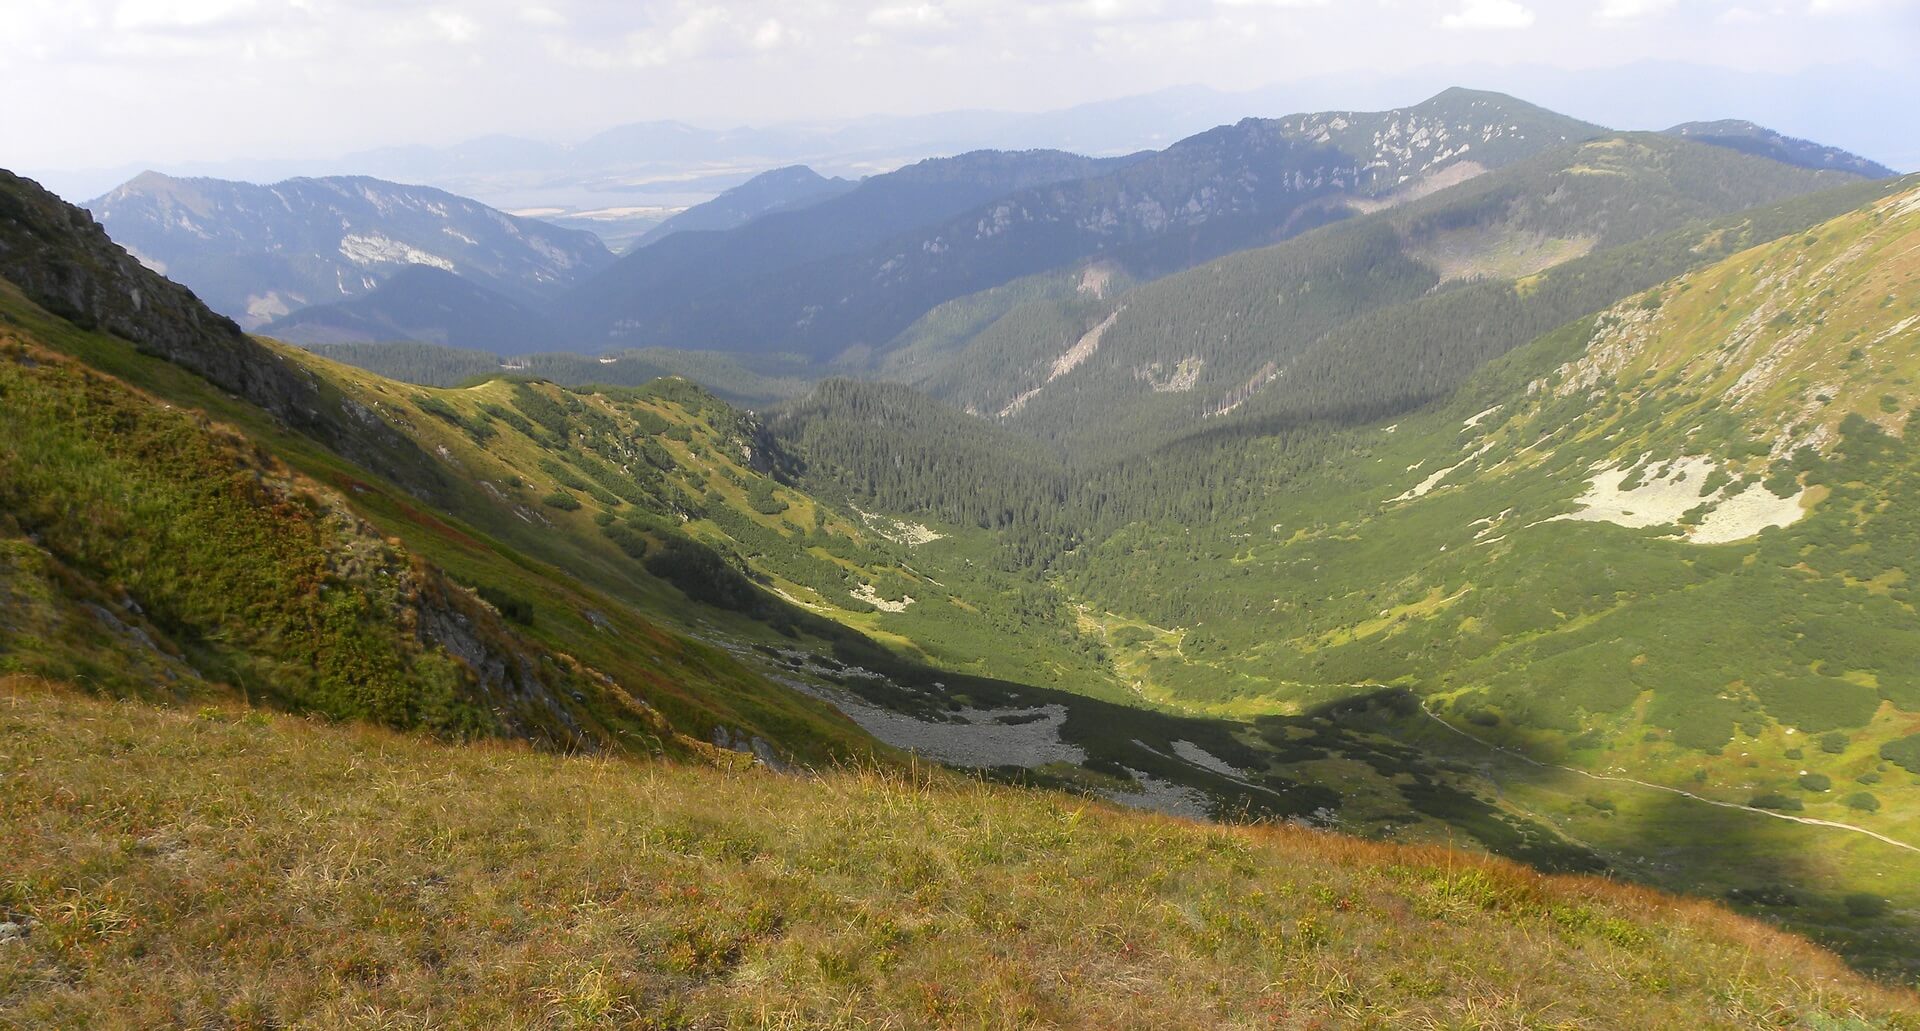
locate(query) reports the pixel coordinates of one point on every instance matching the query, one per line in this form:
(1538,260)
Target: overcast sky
(108,82)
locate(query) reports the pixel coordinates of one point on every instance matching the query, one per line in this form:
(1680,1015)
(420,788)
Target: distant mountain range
(794,263)
(257,253)
(1291,331)
(666,163)
(1228,188)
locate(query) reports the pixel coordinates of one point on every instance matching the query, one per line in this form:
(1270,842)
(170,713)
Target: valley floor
(230,867)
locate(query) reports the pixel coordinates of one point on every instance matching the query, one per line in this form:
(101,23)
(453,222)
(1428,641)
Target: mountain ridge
(260,252)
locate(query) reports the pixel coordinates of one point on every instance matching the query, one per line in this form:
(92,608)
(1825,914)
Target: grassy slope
(122,458)
(1737,671)
(246,870)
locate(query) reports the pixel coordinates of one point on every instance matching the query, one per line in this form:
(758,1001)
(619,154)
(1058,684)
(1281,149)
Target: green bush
(1864,906)
(1904,753)
(1863,801)
(626,540)
(561,500)
(513,607)
(1815,782)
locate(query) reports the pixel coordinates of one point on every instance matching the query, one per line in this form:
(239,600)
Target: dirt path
(1808,820)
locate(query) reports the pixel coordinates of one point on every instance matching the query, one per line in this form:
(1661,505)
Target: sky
(96,83)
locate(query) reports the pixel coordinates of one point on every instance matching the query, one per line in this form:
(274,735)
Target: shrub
(1904,753)
(1774,800)
(1863,801)
(1815,782)
(1834,743)
(626,540)
(1865,906)
(561,500)
(511,606)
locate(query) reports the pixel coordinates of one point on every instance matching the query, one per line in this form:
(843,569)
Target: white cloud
(178,14)
(1631,10)
(771,35)
(453,26)
(1489,14)
(701,33)
(910,18)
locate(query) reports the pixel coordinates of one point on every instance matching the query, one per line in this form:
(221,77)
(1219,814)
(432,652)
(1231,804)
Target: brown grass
(233,868)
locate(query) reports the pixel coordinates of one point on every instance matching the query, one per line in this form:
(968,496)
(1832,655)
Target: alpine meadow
(1145,555)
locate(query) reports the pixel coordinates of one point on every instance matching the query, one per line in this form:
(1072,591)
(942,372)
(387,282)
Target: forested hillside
(1367,317)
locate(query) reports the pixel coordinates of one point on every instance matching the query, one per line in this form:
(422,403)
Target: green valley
(1302,577)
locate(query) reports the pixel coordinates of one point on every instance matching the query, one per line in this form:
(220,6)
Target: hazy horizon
(118,83)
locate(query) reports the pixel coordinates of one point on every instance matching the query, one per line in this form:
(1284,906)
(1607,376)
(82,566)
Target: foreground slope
(238,869)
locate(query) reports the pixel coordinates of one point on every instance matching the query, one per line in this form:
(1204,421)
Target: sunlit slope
(1683,517)
(168,541)
(237,869)
(189,511)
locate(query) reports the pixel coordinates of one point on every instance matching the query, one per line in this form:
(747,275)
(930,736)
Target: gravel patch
(1746,514)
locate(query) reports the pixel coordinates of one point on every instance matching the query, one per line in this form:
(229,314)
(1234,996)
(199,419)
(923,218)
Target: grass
(233,868)
(262,563)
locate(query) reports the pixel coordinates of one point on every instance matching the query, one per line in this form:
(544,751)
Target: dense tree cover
(894,448)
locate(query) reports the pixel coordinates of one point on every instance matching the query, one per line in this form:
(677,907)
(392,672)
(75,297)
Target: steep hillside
(191,517)
(1758,139)
(1373,315)
(778,190)
(256,253)
(1219,191)
(645,580)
